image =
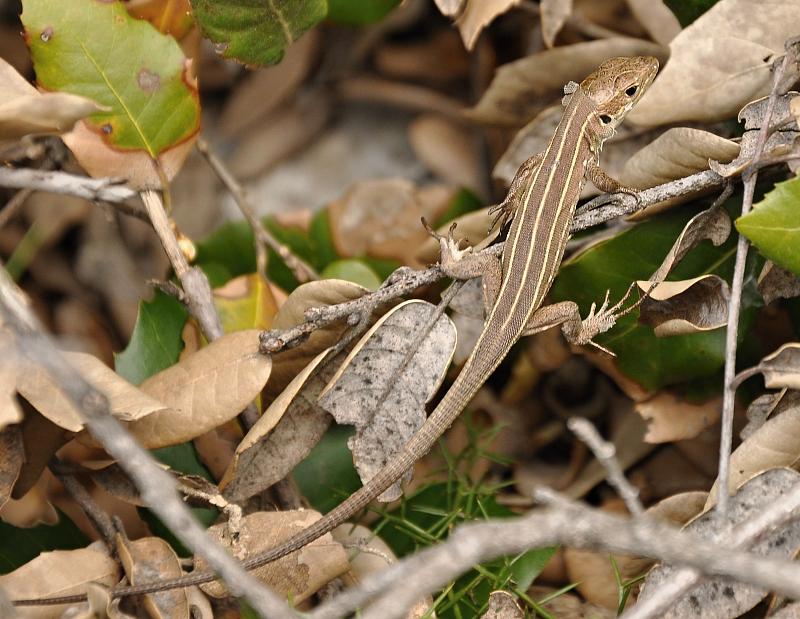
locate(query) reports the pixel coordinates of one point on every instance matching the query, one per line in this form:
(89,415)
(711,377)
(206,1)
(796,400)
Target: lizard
(540,206)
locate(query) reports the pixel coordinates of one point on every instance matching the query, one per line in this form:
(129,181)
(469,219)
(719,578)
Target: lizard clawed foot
(502,213)
(451,252)
(630,191)
(602,319)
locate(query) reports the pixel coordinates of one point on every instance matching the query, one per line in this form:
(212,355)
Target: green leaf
(359,12)
(319,234)
(634,255)
(353,271)
(774,225)
(95,49)
(257,32)
(156,339)
(20,545)
(689,10)
(327,476)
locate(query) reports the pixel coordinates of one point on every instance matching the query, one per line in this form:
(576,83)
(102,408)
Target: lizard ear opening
(605,119)
(632,90)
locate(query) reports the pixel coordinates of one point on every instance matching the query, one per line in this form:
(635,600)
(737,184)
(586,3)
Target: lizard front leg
(579,331)
(464,264)
(504,211)
(606,183)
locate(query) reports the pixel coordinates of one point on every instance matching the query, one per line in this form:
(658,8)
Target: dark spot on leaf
(148,81)
(106,128)
(728,592)
(694,602)
(47,34)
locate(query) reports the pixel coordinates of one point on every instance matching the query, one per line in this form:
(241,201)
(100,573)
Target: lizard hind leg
(463,264)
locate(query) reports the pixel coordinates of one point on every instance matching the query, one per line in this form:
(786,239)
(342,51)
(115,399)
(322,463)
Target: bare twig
(13,205)
(605,453)
(155,486)
(773,516)
(99,519)
(749,177)
(103,189)
(564,522)
(195,285)
(302,271)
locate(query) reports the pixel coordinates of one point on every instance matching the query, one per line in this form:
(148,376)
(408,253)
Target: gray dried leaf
(775,282)
(780,369)
(766,406)
(502,605)
(687,306)
(283,435)
(780,142)
(383,392)
(719,598)
(554,14)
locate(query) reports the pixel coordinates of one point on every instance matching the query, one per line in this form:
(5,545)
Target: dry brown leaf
(687,306)
(781,369)
(554,14)
(12,455)
(24,110)
(298,574)
(411,60)
(719,62)
(567,605)
(737,598)
(503,605)
(676,153)
(151,559)
(398,94)
(660,23)
(262,90)
(284,132)
(10,412)
(384,396)
(282,437)
(477,15)
(136,167)
(60,572)
(381,218)
(292,313)
(767,405)
(521,89)
(41,439)
(448,149)
(204,390)
(775,282)
(780,142)
(670,418)
(114,480)
(450,8)
(127,403)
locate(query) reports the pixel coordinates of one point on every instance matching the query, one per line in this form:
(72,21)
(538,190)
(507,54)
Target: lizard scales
(543,197)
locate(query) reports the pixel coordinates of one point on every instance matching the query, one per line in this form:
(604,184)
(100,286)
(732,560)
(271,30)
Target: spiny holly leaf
(772,225)
(634,255)
(257,32)
(95,49)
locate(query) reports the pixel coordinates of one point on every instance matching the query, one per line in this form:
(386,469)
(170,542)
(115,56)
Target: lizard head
(616,86)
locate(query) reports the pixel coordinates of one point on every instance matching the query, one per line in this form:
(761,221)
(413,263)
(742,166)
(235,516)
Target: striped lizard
(540,206)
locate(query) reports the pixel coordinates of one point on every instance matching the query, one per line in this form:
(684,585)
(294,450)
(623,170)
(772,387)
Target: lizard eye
(605,119)
(632,90)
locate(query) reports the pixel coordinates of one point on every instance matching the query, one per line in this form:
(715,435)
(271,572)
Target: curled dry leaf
(503,605)
(369,554)
(554,14)
(298,574)
(778,143)
(283,435)
(720,598)
(60,572)
(24,110)
(292,313)
(660,23)
(521,89)
(687,306)
(450,8)
(41,439)
(127,402)
(676,153)
(477,15)
(152,559)
(262,90)
(382,391)
(671,418)
(12,455)
(203,390)
(719,62)
(781,369)
(775,282)
(10,412)
(767,405)
(448,149)
(381,218)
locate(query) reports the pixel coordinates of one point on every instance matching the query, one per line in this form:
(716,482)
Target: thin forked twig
(302,271)
(749,177)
